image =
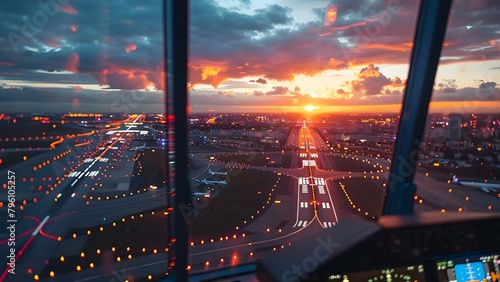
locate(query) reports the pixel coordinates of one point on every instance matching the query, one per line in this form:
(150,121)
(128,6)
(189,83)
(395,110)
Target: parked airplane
(208,182)
(216,172)
(486,187)
(138,148)
(201,195)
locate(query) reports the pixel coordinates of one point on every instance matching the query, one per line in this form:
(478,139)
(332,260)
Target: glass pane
(293,111)
(459,160)
(82,141)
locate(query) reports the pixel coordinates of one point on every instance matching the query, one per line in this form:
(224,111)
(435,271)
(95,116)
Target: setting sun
(310,108)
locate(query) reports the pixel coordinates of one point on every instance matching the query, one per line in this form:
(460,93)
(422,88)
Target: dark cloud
(57,100)
(448,85)
(245,3)
(84,37)
(295,91)
(261,81)
(396,82)
(214,23)
(228,94)
(388,92)
(370,81)
(466,95)
(486,85)
(275,14)
(258,93)
(278,90)
(341,91)
(472,27)
(449,90)
(54,77)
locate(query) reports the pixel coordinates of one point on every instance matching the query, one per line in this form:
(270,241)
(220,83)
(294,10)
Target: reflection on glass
(82,139)
(459,162)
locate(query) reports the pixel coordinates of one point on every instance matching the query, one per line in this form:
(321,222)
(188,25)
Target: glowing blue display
(470,272)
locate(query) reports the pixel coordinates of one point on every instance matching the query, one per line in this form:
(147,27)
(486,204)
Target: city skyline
(247,56)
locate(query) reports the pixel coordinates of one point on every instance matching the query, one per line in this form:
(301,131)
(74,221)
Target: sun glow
(310,108)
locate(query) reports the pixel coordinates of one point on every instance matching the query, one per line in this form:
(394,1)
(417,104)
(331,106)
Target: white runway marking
(321,189)
(328,224)
(304,189)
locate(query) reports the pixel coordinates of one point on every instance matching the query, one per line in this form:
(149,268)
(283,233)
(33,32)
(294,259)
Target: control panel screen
(414,273)
(474,269)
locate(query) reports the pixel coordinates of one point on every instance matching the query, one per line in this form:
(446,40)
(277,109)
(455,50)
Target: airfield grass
(150,169)
(22,129)
(349,164)
(12,158)
(246,193)
(366,194)
(287,160)
(146,230)
(34,144)
(216,217)
(154,167)
(242,158)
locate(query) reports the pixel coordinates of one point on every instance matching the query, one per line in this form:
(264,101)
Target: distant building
(473,124)
(454,127)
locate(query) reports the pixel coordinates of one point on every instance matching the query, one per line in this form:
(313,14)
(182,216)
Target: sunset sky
(245,56)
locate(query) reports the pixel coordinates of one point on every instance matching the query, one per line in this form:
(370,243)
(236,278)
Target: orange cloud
(405,47)
(212,74)
(397,82)
(338,64)
(207,71)
(130,47)
(68,9)
(370,71)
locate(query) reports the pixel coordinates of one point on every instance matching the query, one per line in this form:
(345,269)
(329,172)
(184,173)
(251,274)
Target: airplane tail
(455,180)
(210,171)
